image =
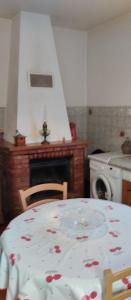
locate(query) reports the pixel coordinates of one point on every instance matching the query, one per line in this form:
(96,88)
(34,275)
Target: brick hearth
(15,169)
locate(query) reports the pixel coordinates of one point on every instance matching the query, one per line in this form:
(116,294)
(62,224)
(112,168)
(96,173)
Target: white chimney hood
(33,52)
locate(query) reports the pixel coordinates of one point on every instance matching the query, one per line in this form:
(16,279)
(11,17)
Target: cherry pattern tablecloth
(54,252)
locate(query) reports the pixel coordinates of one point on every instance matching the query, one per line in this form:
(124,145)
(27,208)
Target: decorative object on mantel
(63,140)
(45,132)
(1,134)
(126,146)
(19,139)
(73,131)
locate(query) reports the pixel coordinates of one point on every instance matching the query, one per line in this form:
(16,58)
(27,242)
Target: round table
(59,250)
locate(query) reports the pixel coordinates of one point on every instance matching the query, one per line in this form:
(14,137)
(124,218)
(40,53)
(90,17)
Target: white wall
(71,48)
(5,31)
(109,63)
(95,66)
(12,91)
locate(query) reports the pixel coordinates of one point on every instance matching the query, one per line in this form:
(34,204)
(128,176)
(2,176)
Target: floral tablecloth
(59,250)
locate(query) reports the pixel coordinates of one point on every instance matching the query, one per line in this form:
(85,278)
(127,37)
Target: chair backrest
(24,194)
(110,278)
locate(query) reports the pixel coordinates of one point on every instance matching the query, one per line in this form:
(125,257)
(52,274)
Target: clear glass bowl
(83,224)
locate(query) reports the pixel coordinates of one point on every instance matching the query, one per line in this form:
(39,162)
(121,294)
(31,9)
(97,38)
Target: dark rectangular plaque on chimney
(40,80)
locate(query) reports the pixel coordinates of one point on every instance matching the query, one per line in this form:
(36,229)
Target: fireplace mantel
(15,169)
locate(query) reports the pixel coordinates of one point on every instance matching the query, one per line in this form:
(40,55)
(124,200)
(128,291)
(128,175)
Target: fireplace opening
(56,170)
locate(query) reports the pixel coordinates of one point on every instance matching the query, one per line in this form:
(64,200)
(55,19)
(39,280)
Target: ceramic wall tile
(102,126)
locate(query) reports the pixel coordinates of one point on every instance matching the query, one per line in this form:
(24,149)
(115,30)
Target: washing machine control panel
(96,165)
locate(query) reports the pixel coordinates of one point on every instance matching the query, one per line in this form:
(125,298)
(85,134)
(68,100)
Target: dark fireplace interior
(56,170)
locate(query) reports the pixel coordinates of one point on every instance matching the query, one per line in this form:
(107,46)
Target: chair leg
(107,285)
(3,294)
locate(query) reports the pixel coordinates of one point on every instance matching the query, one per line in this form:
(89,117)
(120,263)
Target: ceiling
(77,14)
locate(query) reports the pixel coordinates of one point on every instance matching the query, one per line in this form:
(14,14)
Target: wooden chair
(24,194)
(109,278)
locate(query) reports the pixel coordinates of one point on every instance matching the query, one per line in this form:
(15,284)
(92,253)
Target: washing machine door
(101,187)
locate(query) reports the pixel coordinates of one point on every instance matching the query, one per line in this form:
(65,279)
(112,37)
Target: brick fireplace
(15,161)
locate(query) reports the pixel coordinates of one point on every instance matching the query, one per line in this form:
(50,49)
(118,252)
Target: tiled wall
(102,126)
(79,116)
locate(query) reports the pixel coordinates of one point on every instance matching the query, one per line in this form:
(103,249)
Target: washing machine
(105,179)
